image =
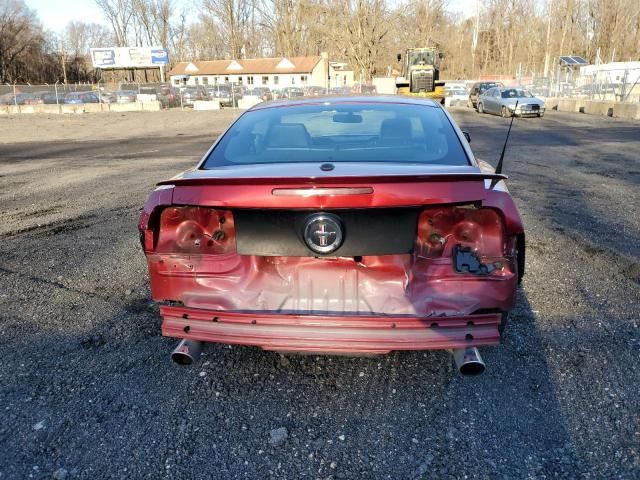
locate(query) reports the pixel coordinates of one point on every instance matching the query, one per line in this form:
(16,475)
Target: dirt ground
(111,126)
(87,389)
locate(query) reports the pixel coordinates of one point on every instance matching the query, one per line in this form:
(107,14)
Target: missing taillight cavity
(196,230)
(478,230)
(467,261)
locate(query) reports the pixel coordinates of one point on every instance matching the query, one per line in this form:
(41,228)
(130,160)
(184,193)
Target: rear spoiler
(364,179)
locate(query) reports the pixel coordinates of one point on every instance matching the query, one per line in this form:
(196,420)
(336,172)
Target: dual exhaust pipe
(187,352)
(468,360)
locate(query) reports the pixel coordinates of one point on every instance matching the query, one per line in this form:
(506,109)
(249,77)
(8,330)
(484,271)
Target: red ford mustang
(336,225)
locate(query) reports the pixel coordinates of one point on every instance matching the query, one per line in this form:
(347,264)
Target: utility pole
(474,40)
(64,62)
(546,52)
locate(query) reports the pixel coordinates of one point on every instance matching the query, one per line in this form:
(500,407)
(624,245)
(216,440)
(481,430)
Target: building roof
(247,66)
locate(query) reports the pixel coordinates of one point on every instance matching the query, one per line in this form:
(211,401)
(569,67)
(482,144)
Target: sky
(55,14)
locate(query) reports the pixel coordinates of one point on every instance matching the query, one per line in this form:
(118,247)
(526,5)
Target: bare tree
(423,21)
(502,37)
(75,42)
(21,40)
(119,14)
(79,37)
(366,27)
(233,18)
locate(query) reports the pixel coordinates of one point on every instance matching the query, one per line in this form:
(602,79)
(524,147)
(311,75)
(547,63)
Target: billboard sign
(129,57)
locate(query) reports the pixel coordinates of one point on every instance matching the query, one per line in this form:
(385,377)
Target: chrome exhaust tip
(468,361)
(187,352)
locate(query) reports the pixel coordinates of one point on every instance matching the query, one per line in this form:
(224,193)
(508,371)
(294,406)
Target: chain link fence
(79,93)
(113,97)
(614,86)
(597,83)
(166,95)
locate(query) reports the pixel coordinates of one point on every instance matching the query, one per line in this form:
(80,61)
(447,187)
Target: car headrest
(288,135)
(395,129)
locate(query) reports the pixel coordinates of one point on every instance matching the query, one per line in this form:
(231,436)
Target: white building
(275,73)
(613,73)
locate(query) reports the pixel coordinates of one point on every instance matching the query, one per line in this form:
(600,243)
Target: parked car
(42,98)
(147,94)
(364,88)
(238,89)
(315,91)
(168,96)
(478,89)
(291,92)
(108,97)
(192,94)
(340,91)
(261,93)
(502,101)
(81,97)
(223,93)
(18,99)
(125,96)
(336,227)
(455,95)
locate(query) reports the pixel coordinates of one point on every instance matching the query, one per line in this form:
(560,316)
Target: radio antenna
(504,148)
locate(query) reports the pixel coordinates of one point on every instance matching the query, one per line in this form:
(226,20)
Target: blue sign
(160,56)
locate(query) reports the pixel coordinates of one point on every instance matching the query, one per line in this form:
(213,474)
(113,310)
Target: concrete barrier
(123,107)
(83,108)
(151,106)
(551,103)
(628,111)
(94,107)
(79,108)
(206,105)
(48,109)
(248,102)
(567,105)
(603,108)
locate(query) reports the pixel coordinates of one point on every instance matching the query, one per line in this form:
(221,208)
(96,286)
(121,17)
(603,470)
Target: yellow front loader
(421,74)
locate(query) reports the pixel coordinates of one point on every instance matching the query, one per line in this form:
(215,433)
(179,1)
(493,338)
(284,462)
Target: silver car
(502,101)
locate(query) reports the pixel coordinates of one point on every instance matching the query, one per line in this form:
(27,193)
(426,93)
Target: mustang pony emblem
(323,232)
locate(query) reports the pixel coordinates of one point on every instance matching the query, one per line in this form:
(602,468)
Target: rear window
(515,93)
(398,133)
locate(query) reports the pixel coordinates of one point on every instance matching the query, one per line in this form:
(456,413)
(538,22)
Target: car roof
(333,99)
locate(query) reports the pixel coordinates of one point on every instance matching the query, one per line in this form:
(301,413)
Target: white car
(455,95)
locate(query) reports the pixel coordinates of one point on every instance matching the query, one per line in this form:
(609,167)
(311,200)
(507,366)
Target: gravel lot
(87,389)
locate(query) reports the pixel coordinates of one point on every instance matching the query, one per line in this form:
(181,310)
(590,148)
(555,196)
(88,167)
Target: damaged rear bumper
(331,333)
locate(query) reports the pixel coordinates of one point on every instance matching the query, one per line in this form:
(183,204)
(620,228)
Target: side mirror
(467,136)
(401,82)
(399,57)
(441,55)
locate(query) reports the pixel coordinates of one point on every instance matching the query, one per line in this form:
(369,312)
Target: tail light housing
(471,239)
(196,230)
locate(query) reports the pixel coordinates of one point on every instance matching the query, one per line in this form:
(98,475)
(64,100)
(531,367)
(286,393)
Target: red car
(351,225)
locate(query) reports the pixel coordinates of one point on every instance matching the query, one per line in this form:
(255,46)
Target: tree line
(505,37)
